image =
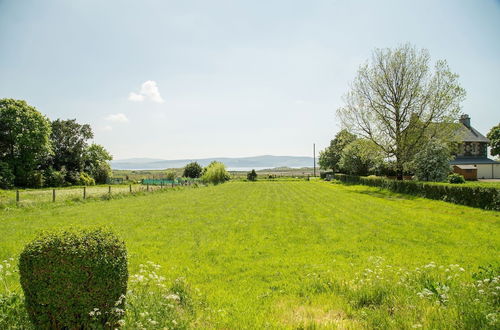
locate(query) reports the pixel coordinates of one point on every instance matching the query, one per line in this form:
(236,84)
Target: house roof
(472,161)
(466,167)
(470,134)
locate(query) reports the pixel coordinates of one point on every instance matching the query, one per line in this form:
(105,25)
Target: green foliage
(456,178)
(398,100)
(101,173)
(6,176)
(36,179)
(475,196)
(360,157)
(96,162)
(215,173)
(252,175)
(494,137)
(85,180)
(24,139)
(192,170)
(330,157)
(65,275)
(432,163)
(55,178)
(170,175)
(69,142)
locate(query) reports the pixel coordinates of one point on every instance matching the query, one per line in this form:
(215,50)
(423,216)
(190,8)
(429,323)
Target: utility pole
(314,159)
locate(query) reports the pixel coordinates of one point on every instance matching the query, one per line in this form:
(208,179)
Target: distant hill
(266,161)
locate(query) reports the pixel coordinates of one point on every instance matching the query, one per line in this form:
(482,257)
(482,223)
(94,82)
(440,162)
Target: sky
(194,79)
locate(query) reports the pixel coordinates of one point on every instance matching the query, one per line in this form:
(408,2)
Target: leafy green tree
(397,98)
(102,173)
(330,157)
(215,173)
(252,175)
(24,139)
(432,163)
(361,157)
(96,163)
(192,170)
(69,142)
(494,137)
(6,176)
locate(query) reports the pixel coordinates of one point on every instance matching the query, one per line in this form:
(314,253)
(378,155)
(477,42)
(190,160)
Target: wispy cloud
(117,118)
(149,91)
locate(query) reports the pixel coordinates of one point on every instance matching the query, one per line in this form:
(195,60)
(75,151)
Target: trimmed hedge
(482,197)
(66,275)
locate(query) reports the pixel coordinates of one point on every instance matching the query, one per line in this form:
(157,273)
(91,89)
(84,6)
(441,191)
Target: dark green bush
(66,275)
(456,178)
(252,175)
(475,196)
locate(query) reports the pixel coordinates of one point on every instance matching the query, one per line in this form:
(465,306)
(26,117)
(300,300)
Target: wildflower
(173,297)
(121,323)
(417,325)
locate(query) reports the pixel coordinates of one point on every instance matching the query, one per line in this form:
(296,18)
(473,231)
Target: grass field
(300,254)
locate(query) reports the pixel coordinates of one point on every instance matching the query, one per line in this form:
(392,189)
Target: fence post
(84,192)
(147,187)
(109,190)
(172,184)
(130,188)
(53,195)
(161,184)
(17,196)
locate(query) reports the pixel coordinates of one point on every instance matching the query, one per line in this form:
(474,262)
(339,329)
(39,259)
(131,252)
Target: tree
(494,137)
(6,176)
(192,170)
(330,157)
(360,157)
(215,173)
(24,139)
(69,142)
(96,163)
(252,175)
(396,100)
(432,163)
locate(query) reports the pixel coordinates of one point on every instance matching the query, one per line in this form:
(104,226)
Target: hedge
(74,279)
(476,196)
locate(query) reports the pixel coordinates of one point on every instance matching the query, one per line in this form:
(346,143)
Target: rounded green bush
(456,178)
(74,279)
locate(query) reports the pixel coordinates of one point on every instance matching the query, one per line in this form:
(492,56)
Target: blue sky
(228,78)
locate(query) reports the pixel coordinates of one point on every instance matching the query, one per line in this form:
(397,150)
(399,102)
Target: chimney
(465,119)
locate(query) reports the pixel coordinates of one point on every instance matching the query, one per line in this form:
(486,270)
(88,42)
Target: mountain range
(266,161)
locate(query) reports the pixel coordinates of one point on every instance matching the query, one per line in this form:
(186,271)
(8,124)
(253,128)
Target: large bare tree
(399,102)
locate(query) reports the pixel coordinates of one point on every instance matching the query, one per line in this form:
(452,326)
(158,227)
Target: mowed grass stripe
(249,246)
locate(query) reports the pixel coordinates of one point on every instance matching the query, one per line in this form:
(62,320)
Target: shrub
(360,157)
(432,163)
(252,176)
(170,175)
(456,178)
(67,274)
(54,178)
(215,173)
(85,180)
(192,170)
(475,196)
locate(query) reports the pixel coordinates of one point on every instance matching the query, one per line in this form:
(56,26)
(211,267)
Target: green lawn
(291,254)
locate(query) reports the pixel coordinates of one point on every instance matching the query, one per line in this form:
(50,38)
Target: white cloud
(135,97)
(117,118)
(106,128)
(149,90)
(300,102)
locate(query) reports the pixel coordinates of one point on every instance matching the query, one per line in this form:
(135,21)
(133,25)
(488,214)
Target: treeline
(37,152)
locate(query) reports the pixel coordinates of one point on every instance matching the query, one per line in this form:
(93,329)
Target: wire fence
(34,196)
